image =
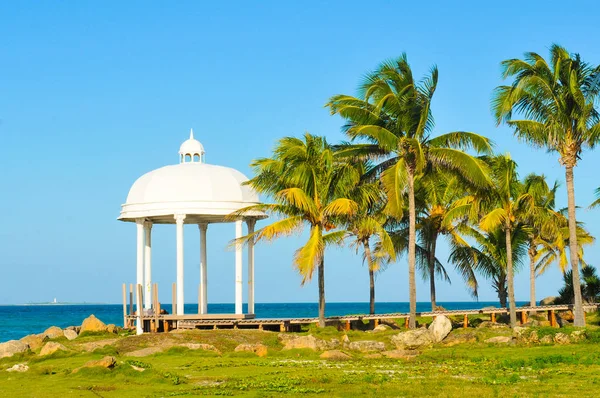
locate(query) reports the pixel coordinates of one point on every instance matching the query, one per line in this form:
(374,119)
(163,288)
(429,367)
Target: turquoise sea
(17,321)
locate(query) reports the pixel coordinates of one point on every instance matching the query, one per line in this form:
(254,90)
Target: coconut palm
(552,105)
(393,114)
(310,187)
(488,255)
(506,206)
(436,195)
(590,286)
(596,202)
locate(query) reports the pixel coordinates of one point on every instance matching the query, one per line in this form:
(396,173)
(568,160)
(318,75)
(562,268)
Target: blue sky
(93,95)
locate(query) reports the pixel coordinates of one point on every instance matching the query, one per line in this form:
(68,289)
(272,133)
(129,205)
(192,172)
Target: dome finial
(191,134)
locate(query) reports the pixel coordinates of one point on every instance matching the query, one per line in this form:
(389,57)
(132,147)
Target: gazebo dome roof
(203,192)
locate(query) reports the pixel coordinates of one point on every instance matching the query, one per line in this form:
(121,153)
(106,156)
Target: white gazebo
(191,192)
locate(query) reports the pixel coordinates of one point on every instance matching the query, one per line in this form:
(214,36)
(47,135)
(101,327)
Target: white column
(238,269)
(180,301)
(203,280)
(140,269)
(148,265)
(251,222)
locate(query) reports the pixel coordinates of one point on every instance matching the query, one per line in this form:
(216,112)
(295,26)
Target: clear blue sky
(93,95)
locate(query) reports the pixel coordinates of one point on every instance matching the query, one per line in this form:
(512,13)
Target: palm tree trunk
(371,278)
(574,250)
(532,300)
(431,259)
(510,276)
(322,292)
(412,219)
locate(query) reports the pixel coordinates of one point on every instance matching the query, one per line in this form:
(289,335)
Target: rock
(335,355)
(144,352)
(111,328)
(258,349)
(548,300)
(561,338)
(462,338)
(544,323)
(547,339)
(74,328)
(566,316)
(51,347)
(577,336)
(492,325)
(20,367)
(200,346)
(310,342)
(345,341)
(533,337)
(381,328)
(412,339)
(400,354)
(92,324)
(531,323)
(70,334)
(375,355)
(366,346)
(53,332)
(12,347)
(106,362)
(520,332)
(35,341)
(499,340)
(440,328)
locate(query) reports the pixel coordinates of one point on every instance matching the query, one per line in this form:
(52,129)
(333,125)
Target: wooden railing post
(493,317)
(466,321)
(523,317)
(140,309)
(406,322)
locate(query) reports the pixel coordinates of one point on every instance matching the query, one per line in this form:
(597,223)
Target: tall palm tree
(436,195)
(556,106)
(311,187)
(596,202)
(393,114)
(506,207)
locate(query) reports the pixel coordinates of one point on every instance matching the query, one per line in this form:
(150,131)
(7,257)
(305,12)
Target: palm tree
(393,114)
(543,223)
(488,255)
(436,195)
(310,187)
(556,101)
(590,287)
(596,202)
(507,206)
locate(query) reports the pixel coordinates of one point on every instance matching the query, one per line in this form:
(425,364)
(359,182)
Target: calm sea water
(17,321)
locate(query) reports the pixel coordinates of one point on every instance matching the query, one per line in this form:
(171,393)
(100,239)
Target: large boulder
(35,341)
(413,339)
(335,355)
(310,342)
(547,339)
(53,332)
(111,328)
(106,362)
(70,334)
(440,328)
(51,347)
(459,338)
(548,300)
(92,324)
(12,347)
(561,338)
(499,340)
(578,335)
(258,349)
(366,346)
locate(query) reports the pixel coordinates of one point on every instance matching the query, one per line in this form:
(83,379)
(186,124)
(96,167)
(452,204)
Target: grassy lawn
(473,369)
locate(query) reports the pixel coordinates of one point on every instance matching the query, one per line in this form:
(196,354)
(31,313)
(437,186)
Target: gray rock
(440,328)
(561,338)
(70,334)
(548,300)
(366,346)
(12,347)
(462,338)
(547,339)
(310,342)
(533,337)
(413,339)
(520,332)
(578,335)
(499,340)
(35,341)
(381,328)
(492,325)
(20,367)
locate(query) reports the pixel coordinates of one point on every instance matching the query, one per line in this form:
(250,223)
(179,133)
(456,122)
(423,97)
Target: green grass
(474,369)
